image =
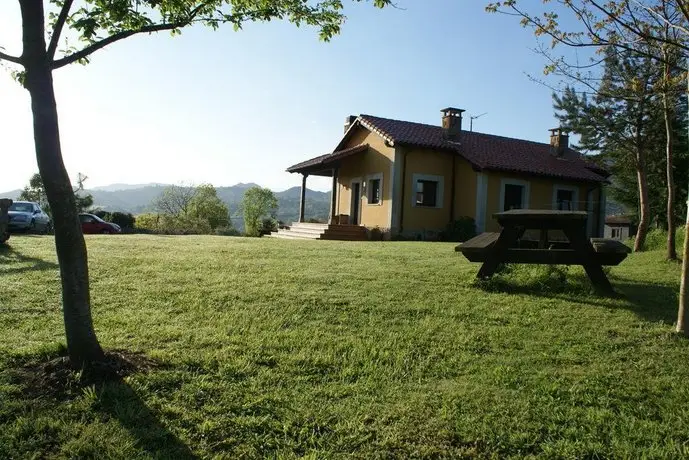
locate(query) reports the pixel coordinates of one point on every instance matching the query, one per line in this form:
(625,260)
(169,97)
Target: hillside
(138,199)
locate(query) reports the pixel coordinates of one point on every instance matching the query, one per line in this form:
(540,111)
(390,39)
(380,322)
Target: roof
(322,162)
(618,220)
(489,152)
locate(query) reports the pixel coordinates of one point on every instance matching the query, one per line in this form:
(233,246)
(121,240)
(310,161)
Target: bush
(375,234)
(124,219)
(460,230)
(227,231)
(148,222)
(656,239)
(268,225)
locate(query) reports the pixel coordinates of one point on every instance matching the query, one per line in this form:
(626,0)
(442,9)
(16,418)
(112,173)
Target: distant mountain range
(137,199)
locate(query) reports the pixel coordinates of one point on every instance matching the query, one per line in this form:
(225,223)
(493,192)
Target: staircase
(307,231)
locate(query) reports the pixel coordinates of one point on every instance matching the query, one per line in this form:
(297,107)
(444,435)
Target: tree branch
(112,39)
(57,31)
(7,57)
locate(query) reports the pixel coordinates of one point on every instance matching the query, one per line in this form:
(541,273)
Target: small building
(617,227)
(413,179)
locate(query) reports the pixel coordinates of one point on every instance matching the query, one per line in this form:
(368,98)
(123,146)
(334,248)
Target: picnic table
(573,247)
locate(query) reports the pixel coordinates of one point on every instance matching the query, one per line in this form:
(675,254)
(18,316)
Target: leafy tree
(36,192)
(175,200)
(205,205)
(258,204)
(94,25)
(621,122)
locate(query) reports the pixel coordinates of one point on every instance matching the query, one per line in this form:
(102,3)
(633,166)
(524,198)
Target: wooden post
(302,197)
(333,197)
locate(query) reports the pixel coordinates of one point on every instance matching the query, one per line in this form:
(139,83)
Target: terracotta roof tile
(486,151)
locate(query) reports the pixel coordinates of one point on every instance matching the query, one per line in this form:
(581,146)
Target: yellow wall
(540,194)
(380,158)
(377,160)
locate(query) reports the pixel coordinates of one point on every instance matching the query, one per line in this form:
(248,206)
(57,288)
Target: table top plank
(536,214)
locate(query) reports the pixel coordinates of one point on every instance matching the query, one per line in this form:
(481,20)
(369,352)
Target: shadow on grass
(13,261)
(652,302)
(49,383)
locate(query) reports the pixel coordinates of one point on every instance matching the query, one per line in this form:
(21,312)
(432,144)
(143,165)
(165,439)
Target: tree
(97,24)
(205,205)
(35,192)
(622,24)
(258,204)
(620,122)
(174,200)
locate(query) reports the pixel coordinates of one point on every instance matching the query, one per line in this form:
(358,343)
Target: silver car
(29,217)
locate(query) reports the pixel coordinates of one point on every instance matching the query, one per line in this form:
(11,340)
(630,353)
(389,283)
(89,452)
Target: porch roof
(323,165)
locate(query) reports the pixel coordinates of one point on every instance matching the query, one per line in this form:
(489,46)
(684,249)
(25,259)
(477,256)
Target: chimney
(559,141)
(349,121)
(452,123)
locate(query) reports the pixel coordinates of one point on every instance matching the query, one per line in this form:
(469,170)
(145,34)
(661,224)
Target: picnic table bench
(510,246)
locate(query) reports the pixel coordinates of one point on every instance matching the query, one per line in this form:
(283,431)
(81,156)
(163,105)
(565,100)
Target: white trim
(567,188)
(526,192)
(589,211)
(481,201)
(369,178)
(439,192)
(601,212)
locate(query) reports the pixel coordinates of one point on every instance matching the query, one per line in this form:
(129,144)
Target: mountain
(120,187)
(138,199)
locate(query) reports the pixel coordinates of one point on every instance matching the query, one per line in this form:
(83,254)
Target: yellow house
(413,179)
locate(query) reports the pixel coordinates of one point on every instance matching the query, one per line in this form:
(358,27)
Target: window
(564,200)
(514,194)
(373,188)
(513,197)
(374,191)
(617,233)
(427,193)
(85,219)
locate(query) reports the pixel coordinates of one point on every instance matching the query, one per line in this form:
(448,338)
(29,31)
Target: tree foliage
(259,204)
(35,191)
(189,209)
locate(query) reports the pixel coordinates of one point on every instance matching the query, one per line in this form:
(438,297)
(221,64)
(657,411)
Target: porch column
(333,197)
(302,197)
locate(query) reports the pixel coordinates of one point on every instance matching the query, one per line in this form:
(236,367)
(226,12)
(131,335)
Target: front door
(356,201)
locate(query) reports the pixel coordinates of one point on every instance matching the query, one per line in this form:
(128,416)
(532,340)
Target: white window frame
(567,188)
(439,197)
(369,178)
(526,192)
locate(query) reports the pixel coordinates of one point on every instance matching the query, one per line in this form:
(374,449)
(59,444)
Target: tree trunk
(682,311)
(668,115)
(640,241)
(82,344)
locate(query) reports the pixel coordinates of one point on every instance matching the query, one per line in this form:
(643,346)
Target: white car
(29,217)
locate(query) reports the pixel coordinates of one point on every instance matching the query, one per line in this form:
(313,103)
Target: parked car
(93,224)
(29,217)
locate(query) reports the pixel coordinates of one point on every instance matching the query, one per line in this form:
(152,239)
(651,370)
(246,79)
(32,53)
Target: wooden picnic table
(510,246)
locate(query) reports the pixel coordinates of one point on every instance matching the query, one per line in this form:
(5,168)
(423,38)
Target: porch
(311,231)
(325,166)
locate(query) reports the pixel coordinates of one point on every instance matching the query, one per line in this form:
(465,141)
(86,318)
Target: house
(617,227)
(413,179)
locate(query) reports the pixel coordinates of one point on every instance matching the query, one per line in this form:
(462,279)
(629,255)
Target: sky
(224,107)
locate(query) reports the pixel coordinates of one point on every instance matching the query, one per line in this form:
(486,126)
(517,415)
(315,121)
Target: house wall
(623,231)
(377,160)
(474,192)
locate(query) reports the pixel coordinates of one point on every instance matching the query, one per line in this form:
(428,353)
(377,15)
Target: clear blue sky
(226,107)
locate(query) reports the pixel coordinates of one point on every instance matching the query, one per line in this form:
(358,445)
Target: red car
(94,224)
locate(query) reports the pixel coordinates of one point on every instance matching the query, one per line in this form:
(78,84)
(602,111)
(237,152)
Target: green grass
(286,349)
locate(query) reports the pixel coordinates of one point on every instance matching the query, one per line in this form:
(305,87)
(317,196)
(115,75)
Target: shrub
(268,225)
(227,231)
(375,234)
(148,222)
(124,219)
(459,230)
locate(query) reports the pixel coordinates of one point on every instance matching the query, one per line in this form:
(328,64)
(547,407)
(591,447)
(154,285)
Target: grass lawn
(285,349)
